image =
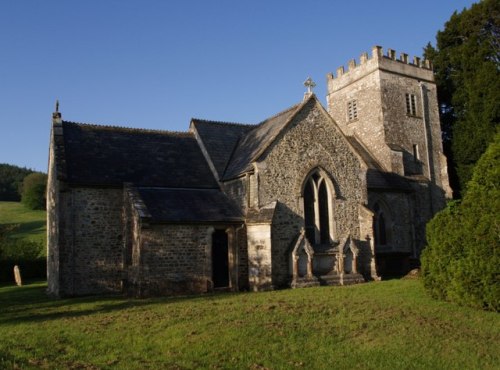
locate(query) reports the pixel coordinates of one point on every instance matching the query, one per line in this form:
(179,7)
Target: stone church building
(310,196)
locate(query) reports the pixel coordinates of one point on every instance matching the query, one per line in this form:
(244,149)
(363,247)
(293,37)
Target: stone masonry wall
(175,259)
(310,141)
(91,259)
(236,190)
(53,226)
(399,220)
(361,85)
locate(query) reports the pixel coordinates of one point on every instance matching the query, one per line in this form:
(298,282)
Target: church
(310,196)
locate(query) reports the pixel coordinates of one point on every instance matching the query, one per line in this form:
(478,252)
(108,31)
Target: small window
(352,110)
(411,104)
(416,154)
(381,225)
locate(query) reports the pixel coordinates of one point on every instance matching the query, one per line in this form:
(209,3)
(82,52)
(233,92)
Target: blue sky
(156,64)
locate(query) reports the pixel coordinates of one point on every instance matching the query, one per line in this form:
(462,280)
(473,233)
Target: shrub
(28,255)
(462,260)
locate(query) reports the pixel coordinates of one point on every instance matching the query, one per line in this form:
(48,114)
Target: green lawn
(32,223)
(379,325)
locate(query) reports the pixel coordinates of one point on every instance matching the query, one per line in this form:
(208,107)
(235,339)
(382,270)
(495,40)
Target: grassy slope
(32,223)
(382,325)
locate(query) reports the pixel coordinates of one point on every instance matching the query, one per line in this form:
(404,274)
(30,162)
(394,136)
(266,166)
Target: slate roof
(364,153)
(256,140)
(188,205)
(220,139)
(110,156)
(380,180)
(376,177)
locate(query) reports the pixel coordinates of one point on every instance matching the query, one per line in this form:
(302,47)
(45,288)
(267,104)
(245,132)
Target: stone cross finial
(56,116)
(309,83)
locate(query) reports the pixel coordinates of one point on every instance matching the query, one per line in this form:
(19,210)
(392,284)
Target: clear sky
(156,64)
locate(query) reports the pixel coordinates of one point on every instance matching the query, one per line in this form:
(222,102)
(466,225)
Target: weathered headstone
(17,275)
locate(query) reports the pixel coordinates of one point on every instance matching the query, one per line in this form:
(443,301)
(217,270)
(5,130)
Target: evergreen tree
(467,64)
(462,260)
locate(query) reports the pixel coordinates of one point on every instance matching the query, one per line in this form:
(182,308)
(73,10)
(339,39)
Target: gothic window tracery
(318,220)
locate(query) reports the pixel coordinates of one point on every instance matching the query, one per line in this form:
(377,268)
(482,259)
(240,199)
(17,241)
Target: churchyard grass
(32,224)
(379,325)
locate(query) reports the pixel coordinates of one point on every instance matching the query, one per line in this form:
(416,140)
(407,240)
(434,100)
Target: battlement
(380,59)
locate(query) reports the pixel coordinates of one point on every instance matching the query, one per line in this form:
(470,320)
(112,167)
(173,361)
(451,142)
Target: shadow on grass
(28,229)
(30,303)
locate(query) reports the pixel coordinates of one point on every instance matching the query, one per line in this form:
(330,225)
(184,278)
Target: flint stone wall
(310,141)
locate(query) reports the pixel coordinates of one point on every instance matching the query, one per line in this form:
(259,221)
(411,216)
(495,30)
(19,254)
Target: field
(379,325)
(32,224)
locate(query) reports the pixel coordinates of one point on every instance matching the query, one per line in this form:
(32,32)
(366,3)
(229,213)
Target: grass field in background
(32,223)
(378,325)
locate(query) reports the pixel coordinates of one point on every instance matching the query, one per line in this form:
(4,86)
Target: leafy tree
(33,190)
(462,260)
(11,178)
(467,64)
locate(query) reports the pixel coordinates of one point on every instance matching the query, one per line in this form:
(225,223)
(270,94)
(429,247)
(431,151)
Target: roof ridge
(222,122)
(295,106)
(130,129)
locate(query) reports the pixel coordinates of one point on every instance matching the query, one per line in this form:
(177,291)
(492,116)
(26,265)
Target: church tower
(390,106)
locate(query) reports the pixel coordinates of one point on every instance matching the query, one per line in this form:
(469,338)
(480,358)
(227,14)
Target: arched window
(317,208)
(381,225)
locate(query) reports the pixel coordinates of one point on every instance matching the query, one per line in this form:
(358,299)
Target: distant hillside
(11,178)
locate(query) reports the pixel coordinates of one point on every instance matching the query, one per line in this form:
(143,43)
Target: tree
(467,65)
(11,178)
(33,190)
(461,262)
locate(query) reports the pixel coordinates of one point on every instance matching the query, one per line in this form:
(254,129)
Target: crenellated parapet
(416,66)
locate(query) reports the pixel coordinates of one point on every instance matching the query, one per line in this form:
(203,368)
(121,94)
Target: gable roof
(380,180)
(257,140)
(188,205)
(110,156)
(364,153)
(219,140)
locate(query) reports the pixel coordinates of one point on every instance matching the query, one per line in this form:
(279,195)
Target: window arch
(381,225)
(318,214)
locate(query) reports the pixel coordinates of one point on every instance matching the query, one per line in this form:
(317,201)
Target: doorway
(220,259)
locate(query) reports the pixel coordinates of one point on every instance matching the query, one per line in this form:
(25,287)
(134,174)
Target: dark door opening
(220,260)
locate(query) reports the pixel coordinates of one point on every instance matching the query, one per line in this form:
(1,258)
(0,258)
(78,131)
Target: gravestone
(17,275)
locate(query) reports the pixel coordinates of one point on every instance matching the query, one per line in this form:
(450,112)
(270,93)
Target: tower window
(352,110)
(411,104)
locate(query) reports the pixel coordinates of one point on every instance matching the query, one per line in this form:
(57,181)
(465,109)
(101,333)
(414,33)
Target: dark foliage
(467,64)
(11,178)
(28,255)
(462,260)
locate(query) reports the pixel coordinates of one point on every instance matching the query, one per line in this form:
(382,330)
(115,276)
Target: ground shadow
(27,303)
